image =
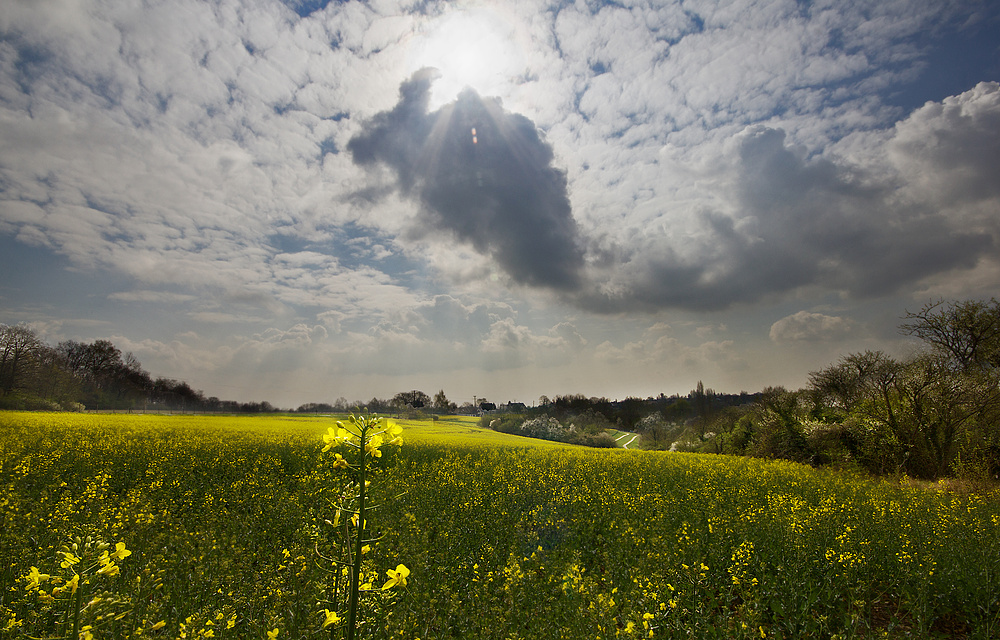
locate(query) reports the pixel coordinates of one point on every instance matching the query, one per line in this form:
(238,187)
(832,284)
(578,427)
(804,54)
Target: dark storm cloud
(797,222)
(482,174)
(829,224)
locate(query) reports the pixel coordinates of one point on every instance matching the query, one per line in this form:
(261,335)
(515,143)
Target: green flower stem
(77,600)
(352,611)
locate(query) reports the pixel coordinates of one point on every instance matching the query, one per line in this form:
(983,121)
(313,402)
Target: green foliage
(21,401)
(502,422)
(933,415)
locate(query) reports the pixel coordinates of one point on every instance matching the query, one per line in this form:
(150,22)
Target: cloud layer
(267,186)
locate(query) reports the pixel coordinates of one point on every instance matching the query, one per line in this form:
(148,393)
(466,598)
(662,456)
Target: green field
(505,537)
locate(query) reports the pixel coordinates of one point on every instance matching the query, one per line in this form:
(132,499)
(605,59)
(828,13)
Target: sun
(471,48)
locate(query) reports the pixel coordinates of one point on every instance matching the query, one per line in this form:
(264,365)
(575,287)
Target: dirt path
(631,438)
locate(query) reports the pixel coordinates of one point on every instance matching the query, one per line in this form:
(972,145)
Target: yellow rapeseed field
(221,524)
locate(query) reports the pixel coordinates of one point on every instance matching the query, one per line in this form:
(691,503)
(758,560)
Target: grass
(506,537)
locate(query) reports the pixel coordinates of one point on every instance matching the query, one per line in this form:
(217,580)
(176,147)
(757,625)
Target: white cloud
(716,155)
(949,151)
(805,326)
(152,296)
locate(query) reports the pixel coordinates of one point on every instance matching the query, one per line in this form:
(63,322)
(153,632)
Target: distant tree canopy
(442,404)
(75,375)
(414,399)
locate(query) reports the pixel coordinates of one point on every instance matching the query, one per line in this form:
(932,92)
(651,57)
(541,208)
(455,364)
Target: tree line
(933,414)
(74,376)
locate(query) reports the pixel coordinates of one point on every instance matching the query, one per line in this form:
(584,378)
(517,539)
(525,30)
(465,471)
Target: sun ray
(473,48)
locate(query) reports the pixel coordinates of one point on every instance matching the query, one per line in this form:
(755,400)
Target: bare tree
(968,332)
(19,350)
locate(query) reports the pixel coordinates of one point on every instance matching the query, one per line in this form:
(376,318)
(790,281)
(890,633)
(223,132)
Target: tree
(55,381)
(860,382)
(965,420)
(937,407)
(702,401)
(441,402)
(19,350)
(415,399)
(968,332)
(777,418)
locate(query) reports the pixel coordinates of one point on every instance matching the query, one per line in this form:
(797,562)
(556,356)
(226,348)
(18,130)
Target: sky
(305,200)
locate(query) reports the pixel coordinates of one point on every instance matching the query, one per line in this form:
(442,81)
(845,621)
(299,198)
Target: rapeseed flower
(69,559)
(335,436)
(331,618)
(394,431)
(372,446)
(35,577)
(397,576)
(120,552)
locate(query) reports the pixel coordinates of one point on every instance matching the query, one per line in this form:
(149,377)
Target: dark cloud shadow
(482,174)
(798,222)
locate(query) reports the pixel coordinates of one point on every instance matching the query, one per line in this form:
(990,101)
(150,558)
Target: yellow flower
(331,618)
(120,552)
(394,432)
(110,569)
(273,633)
(158,625)
(35,577)
(330,438)
(334,436)
(372,446)
(68,560)
(339,462)
(396,577)
(73,584)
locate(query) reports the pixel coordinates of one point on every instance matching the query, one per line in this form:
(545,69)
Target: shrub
(27,402)
(504,423)
(545,428)
(602,440)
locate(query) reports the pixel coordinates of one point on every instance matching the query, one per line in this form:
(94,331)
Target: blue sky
(302,201)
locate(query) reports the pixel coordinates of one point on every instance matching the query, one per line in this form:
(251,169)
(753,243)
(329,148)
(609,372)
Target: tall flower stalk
(359,439)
